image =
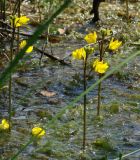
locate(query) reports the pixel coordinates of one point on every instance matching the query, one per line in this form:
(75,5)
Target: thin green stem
(10,101)
(23,148)
(127,11)
(99,97)
(101,48)
(127,155)
(39,10)
(85,102)
(18,27)
(4,9)
(10,78)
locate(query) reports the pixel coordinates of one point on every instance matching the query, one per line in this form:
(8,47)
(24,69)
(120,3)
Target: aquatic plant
(15,22)
(98,64)
(83,54)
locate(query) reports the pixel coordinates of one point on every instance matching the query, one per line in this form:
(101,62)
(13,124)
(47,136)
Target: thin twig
(51,56)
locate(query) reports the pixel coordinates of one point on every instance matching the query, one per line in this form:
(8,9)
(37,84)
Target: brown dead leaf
(47,93)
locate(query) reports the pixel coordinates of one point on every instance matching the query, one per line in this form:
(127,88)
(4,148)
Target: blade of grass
(129,154)
(5,75)
(70,105)
(24,147)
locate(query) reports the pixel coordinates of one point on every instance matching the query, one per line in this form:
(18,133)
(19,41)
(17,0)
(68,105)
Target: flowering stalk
(4,9)
(15,22)
(85,102)
(127,11)
(100,76)
(10,79)
(18,29)
(82,54)
(39,10)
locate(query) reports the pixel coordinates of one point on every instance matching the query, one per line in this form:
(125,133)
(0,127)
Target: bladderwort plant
(105,45)
(18,29)
(83,54)
(99,65)
(15,23)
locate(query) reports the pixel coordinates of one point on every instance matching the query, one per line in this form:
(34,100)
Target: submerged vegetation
(69,89)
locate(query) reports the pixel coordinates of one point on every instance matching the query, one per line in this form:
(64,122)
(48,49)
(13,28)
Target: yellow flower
(23,20)
(23,44)
(99,66)
(18,21)
(91,38)
(38,132)
(95,62)
(114,45)
(4,125)
(79,54)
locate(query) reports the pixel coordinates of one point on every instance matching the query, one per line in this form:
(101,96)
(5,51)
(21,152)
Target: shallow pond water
(39,92)
(116,131)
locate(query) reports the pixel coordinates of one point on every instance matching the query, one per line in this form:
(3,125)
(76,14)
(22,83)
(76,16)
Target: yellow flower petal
(29,50)
(100,67)
(4,125)
(91,38)
(18,21)
(79,54)
(23,44)
(38,132)
(23,20)
(95,62)
(114,45)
